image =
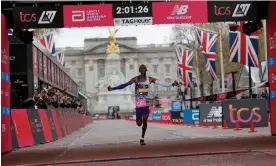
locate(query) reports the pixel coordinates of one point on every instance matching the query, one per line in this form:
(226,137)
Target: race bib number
(141,103)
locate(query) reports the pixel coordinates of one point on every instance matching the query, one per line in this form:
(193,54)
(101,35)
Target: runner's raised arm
(163,83)
(122,86)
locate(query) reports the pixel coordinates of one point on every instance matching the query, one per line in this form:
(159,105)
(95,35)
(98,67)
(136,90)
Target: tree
(42,32)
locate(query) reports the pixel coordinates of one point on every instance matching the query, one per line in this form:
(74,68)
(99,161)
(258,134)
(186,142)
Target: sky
(146,34)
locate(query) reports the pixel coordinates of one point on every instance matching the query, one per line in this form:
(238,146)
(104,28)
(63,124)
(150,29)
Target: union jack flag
(48,42)
(185,66)
(60,57)
(208,45)
(244,49)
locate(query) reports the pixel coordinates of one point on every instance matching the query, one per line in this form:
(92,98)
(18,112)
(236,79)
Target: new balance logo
(241,10)
(215,112)
(47,17)
(180,10)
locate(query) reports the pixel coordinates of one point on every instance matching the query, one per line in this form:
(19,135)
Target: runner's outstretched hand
(109,88)
(175,83)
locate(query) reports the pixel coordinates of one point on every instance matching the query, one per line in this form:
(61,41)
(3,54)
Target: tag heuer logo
(47,17)
(241,10)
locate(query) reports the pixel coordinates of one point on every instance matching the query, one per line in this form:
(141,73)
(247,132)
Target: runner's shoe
(142,142)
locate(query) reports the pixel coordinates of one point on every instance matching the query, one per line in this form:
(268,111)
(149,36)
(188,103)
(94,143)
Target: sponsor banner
(271,52)
(166,116)
(58,77)
(45,125)
(40,64)
(6,137)
(177,116)
(87,15)
(49,70)
(179,12)
(22,127)
(36,126)
(5,66)
(210,112)
(245,111)
(176,106)
(102,116)
(45,67)
(191,115)
(53,73)
(5,93)
(35,61)
(156,116)
(37,17)
(232,11)
(133,21)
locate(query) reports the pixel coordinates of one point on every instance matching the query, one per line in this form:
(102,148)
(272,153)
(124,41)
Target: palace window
(168,68)
(131,67)
(101,68)
(155,69)
(73,62)
(123,66)
(79,72)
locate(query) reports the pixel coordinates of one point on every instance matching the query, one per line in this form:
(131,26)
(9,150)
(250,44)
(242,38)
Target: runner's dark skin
(143,77)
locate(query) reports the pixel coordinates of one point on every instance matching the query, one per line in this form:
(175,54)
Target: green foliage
(42,32)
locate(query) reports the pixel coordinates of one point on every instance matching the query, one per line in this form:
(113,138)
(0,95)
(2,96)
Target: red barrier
(6,139)
(45,125)
(55,118)
(62,122)
(22,127)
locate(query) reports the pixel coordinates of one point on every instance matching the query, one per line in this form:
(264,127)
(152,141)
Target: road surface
(119,139)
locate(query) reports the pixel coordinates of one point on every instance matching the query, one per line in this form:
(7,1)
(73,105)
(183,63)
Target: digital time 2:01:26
(131,9)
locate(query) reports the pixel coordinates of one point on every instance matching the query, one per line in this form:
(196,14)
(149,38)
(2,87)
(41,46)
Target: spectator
(55,98)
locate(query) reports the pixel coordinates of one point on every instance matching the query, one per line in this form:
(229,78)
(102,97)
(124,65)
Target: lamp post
(233,82)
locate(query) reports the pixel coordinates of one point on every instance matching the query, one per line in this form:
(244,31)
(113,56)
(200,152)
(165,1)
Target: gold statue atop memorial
(112,46)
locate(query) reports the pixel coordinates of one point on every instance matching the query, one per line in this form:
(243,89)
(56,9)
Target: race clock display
(129,10)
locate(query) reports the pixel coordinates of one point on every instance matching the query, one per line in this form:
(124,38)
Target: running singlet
(142,89)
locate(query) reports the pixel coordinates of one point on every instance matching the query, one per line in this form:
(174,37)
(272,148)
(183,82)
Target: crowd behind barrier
(45,117)
(53,98)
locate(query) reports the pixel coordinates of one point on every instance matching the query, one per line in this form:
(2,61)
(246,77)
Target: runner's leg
(139,116)
(145,124)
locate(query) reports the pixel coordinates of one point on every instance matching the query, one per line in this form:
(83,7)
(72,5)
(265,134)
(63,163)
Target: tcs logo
(253,114)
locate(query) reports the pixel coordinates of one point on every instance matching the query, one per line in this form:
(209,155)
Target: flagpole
(207,30)
(221,64)
(250,82)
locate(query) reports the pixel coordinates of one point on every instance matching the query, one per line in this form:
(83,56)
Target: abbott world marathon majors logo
(215,113)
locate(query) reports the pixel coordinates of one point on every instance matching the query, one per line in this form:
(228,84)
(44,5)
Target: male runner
(142,92)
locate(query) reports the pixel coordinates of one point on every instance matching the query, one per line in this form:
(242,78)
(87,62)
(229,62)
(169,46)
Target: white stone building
(87,65)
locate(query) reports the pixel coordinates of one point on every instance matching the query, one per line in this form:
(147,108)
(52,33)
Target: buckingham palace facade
(87,65)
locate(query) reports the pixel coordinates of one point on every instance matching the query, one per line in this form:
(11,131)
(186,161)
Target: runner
(142,83)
